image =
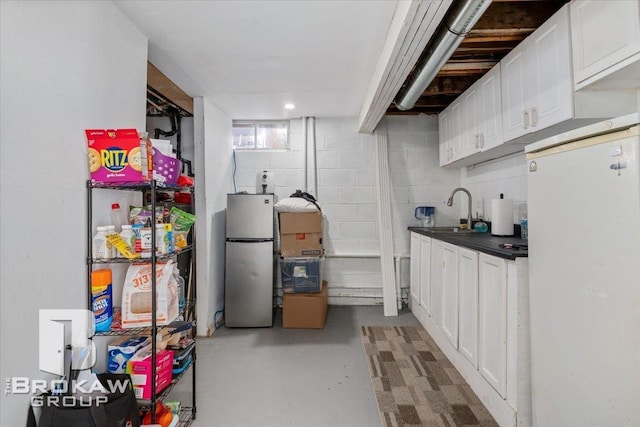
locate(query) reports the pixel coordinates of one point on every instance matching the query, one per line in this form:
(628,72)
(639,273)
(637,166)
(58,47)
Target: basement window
(260,135)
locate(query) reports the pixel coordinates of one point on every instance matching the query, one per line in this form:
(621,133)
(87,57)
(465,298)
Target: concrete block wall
(417,179)
(486,182)
(347,193)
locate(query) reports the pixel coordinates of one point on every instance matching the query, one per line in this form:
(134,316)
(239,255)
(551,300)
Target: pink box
(115,155)
(139,367)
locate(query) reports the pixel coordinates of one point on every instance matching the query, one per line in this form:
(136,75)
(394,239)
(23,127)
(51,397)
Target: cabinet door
(514,117)
(457,130)
(468,317)
(444,131)
(425,272)
(603,33)
(548,80)
(449,322)
(435,301)
(490,110)
(469,114)
(493,322)
(414,269)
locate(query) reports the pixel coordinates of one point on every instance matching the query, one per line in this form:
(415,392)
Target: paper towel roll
(502,217)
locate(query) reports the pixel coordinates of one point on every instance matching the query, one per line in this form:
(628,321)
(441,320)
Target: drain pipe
(306,160)
(315,157)
(460,20)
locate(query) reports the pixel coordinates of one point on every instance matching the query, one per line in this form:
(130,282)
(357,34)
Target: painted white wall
(346,192)
(213,154)
(486,182)
(66,67)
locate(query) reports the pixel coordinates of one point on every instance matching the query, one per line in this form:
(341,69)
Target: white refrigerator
(584,275)
(249,261)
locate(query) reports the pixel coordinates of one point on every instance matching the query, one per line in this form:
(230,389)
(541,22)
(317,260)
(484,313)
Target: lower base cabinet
(468,302)
(450,292)
(493,321)
(475,308)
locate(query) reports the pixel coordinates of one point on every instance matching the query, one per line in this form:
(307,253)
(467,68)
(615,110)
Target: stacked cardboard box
(306,310)
(301,259)
(300,234)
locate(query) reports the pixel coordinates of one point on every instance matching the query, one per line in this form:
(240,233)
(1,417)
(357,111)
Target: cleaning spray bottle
(101,299)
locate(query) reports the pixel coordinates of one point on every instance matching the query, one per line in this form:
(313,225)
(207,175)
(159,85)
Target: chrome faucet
(450,203)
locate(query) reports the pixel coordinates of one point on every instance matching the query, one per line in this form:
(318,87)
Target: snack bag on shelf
(181,223)
(136,295)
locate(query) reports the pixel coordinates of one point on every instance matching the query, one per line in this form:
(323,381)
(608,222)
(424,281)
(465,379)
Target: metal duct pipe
(460,20)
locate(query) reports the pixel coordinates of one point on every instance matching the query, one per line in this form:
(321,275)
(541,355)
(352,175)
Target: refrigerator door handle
(618,166)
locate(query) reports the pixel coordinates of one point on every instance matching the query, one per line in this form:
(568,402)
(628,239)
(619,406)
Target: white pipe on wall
(306,162)
(315,153)
(398,295)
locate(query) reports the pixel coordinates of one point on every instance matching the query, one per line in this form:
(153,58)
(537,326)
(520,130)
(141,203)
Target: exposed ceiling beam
(501,28)
(165,87)
(411,29)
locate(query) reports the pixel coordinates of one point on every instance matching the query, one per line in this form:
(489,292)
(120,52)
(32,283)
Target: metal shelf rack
(187,414)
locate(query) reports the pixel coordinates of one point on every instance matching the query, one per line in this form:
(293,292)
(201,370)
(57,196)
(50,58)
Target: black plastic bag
(120,409)
(308,197)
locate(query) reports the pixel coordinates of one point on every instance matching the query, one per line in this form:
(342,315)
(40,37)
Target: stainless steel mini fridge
(249,260)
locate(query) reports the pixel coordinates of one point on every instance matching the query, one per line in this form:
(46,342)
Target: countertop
(482,242)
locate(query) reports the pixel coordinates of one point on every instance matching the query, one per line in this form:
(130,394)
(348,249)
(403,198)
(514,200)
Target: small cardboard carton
(300,234)
(305,311)
(139,367)
(115,155)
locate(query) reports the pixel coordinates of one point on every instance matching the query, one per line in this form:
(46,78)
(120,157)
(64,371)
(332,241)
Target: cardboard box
(301,274)
(305,311)
(300,234)
(139,367)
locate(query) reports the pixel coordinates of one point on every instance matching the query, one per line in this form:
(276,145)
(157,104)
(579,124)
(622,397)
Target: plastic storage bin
(301,274)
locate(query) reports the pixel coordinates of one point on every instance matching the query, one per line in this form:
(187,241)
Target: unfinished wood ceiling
(501,28)
(165,98)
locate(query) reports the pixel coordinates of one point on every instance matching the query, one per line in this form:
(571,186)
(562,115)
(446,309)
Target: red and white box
(116,155)
(139,367)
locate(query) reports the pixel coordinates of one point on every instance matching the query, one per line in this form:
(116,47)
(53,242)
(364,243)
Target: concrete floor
(289,377)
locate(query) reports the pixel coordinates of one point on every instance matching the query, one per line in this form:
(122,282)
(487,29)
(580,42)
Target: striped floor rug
(415,384)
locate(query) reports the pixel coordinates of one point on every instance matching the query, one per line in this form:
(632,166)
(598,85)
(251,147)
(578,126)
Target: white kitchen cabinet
(444,130)
(425,272)
(452,130)
(449,316)
(477,312)
(468,304)
(605,41)
(470,111)
(414,269)
(492,305)
(474,120)
(435,302)
(490,105)
(537,88)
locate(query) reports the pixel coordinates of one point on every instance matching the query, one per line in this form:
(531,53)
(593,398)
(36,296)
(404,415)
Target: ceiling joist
(500,29)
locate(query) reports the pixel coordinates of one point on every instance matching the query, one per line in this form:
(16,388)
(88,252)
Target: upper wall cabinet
(605,40)
(473,122)
(537,89)
(530,94)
